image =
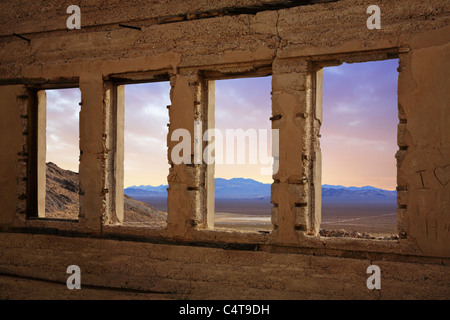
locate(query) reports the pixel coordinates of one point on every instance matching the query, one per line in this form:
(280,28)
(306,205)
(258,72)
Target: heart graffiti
(442,174)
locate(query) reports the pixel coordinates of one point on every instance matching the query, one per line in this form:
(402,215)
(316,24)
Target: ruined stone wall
(192,43)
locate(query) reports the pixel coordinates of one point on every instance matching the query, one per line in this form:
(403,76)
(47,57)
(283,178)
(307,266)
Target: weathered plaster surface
(178,44)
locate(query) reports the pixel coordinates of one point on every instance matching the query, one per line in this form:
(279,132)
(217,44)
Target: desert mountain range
(240,188)
(62,199)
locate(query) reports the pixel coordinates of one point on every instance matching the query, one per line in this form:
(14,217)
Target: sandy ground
(377,225)
(377,219)
(242,222)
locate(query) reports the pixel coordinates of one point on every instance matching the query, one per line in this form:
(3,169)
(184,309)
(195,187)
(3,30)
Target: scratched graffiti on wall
(441,174)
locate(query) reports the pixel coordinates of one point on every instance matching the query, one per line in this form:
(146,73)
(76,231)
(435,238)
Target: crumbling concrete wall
(14,149)
(139,270)
(191,43)
(424,157)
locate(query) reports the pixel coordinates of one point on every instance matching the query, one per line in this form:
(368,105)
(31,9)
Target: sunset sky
(358,132)
(359,129)
(63,113)
(146,119)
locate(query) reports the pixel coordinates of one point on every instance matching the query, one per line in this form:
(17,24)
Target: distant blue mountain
(236,188)
(329,186)
(332,193)
(147,191)
(161,188)
(240,188)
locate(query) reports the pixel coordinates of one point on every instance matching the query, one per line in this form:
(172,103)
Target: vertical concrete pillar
(119,130)
(187,189)
(210,168)
(403,141)
(315,156)
(291,115)
(92,152)
(41,151)
(113,139)
(423,158)
(14,152)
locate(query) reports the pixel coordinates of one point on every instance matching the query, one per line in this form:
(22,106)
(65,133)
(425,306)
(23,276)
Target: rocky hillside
(62,200)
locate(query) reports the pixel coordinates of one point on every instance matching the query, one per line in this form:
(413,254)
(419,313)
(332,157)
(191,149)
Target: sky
(145,138)
(359,128)
(358,133)
(244,104)
(146,118)
(63,114)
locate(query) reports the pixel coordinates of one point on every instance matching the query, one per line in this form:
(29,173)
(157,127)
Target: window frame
(317,77)
(37,145)
(115,92)
(209,77)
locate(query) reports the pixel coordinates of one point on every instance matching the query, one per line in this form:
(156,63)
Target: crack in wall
(87,286)
(199,15)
